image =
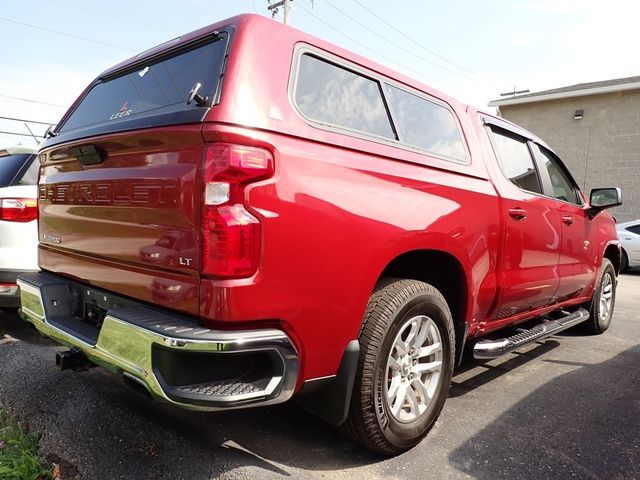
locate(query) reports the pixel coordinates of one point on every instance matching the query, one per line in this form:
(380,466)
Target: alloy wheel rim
(606,297)
(413,369)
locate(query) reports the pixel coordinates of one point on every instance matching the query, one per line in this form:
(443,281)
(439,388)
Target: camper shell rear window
(158,86)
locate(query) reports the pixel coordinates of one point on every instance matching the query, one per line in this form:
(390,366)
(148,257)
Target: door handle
(517,213)
(568,220)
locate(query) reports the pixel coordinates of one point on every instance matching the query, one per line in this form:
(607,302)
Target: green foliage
(18,454)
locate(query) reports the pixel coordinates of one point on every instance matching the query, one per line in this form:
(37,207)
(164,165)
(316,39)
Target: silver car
(629,236)
(18,220)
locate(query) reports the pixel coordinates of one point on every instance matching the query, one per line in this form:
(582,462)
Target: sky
(472,50)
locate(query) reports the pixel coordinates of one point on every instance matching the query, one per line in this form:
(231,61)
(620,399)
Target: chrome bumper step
(486,349)
(173,357)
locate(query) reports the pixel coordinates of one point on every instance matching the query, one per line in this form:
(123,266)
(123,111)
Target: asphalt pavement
(568,407)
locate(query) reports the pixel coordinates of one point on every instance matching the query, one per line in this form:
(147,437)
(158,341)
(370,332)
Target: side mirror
(601,198)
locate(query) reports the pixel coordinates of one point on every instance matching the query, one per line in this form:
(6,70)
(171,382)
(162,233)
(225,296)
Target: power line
(400,32)
(105,14)
(27,121)
(16,133)
(421,74)
(397,44)
(78,37)
(33,101)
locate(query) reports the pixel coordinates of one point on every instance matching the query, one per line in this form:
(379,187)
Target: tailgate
(122,212)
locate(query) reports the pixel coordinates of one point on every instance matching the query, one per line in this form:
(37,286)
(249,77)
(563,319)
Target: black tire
(598,323)
(391,309)
(624,262)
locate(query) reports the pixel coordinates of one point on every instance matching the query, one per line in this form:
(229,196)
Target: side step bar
(486,349)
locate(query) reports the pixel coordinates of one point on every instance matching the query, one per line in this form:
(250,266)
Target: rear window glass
(157,86)
(10,165)
(30,176)
(425,124)
(332,95)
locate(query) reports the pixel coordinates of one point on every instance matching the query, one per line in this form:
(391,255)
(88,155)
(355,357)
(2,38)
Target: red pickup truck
(247,213)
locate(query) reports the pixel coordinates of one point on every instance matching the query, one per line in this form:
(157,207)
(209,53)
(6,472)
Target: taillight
(18,209)
(230,233)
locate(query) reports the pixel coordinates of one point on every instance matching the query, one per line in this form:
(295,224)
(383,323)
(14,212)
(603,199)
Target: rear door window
(155,86)
(332,95)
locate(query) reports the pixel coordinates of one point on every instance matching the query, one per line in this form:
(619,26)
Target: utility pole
(274,8)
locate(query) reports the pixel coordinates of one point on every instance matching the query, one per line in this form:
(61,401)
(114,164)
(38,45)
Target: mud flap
(329,398)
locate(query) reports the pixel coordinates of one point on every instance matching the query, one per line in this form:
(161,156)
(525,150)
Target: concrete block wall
(601,150)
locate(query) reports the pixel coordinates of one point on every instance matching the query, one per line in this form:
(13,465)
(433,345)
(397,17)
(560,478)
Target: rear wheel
(405,367)
(604,298)
(624,262)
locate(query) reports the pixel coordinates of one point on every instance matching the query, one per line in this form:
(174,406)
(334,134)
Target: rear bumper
(175,359)
(9,291)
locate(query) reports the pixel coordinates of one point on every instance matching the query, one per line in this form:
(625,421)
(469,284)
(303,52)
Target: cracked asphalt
(564,408)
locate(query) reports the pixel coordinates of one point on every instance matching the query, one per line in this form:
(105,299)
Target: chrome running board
(486,349)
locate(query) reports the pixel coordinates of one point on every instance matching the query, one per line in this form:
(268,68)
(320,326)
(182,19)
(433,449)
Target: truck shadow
(632,272)
(12,327)
(473,373)
(94,426)
(597,406)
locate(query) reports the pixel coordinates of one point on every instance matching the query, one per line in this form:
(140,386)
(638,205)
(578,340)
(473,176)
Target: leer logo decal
(124,111)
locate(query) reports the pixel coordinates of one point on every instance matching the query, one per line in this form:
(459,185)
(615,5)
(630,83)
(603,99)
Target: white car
(18,220)
(629,236)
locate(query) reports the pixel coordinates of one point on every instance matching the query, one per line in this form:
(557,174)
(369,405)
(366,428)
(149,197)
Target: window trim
(303,48)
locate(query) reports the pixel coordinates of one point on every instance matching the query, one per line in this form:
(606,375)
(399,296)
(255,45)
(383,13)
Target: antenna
(31,132)
(515,92)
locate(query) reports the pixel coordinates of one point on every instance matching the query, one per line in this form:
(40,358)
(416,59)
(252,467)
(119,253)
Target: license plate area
(87,309)
(94,315)
(94,307)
